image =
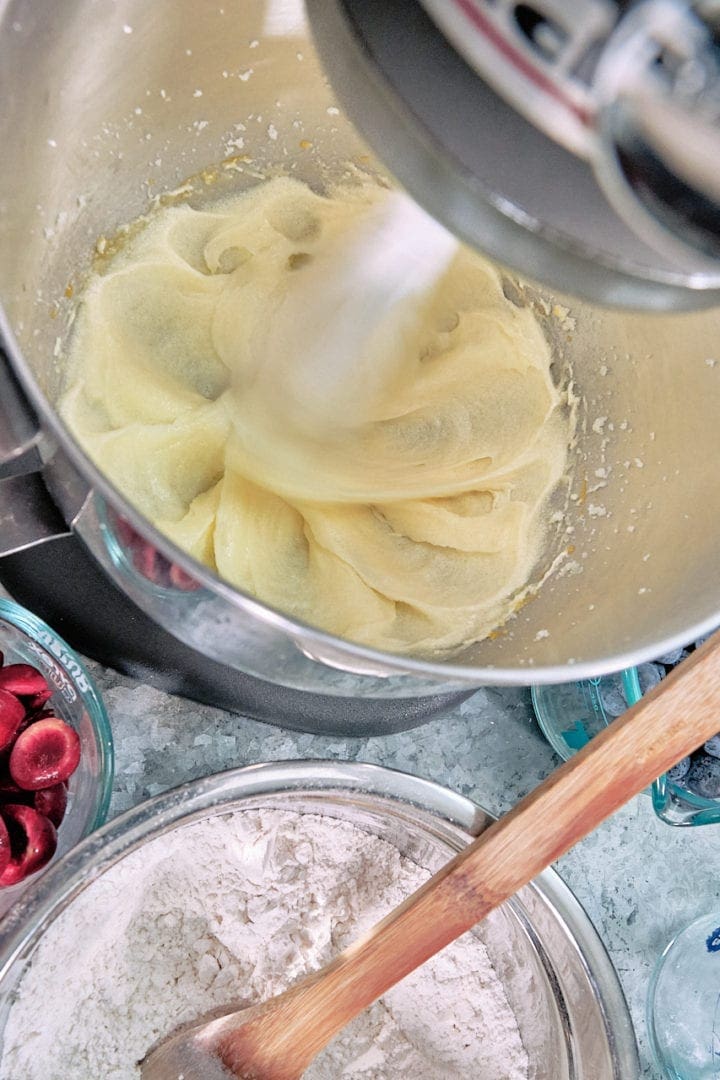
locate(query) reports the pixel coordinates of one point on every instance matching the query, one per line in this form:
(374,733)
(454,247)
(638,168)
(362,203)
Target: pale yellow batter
(402,509)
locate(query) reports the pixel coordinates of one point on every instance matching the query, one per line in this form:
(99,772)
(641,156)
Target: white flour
(236,908)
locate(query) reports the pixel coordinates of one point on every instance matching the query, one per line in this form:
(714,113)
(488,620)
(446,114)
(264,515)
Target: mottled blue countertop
(639,879)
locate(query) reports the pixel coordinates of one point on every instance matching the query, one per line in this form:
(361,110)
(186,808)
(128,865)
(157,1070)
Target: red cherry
(52,803)
(44,754)
(11,793)
(5,850)
(23,680)
(33,717)
(145,560)
(127,534)
(32,842)
(36,701)
(181,579)
(12,714)
(8,786)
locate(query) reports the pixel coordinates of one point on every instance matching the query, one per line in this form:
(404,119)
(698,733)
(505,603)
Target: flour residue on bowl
(403,506)
(235,908)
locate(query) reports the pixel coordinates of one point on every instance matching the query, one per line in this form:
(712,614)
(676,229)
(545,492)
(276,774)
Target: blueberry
(679,771)
(672,658)
(612,696)
(704,777)
(649,676)
(701,640)
(712,746)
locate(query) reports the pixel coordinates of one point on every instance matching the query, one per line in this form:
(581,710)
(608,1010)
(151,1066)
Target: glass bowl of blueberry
(56,754)
(571,714)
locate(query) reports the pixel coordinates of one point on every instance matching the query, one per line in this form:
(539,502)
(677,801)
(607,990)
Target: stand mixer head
(577,144)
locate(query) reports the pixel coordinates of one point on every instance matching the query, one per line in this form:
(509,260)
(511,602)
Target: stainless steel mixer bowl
(105,105)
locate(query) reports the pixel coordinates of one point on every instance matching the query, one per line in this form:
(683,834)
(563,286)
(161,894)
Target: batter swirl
(403,508)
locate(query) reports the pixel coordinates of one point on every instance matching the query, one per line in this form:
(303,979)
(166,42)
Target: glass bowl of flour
(227,890)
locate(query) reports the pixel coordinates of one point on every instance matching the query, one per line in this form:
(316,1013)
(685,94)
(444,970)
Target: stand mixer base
(98,620)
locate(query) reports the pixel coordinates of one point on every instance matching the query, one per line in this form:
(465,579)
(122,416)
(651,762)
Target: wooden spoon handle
(675,718)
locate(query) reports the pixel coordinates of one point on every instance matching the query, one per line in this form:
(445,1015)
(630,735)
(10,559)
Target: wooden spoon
(278,1039)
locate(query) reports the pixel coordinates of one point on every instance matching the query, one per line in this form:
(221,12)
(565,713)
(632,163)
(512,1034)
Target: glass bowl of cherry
(56,753)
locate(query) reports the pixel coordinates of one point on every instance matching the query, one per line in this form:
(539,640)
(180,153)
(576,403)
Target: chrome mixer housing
(577,143)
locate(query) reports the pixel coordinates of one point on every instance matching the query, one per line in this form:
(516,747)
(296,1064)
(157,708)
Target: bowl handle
(28,515)
(19,427)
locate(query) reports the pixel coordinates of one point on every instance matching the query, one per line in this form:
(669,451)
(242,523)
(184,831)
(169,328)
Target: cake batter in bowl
(392,489)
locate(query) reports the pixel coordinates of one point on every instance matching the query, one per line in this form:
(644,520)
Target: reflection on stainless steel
(488,114)
(543,70)
(658,157)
